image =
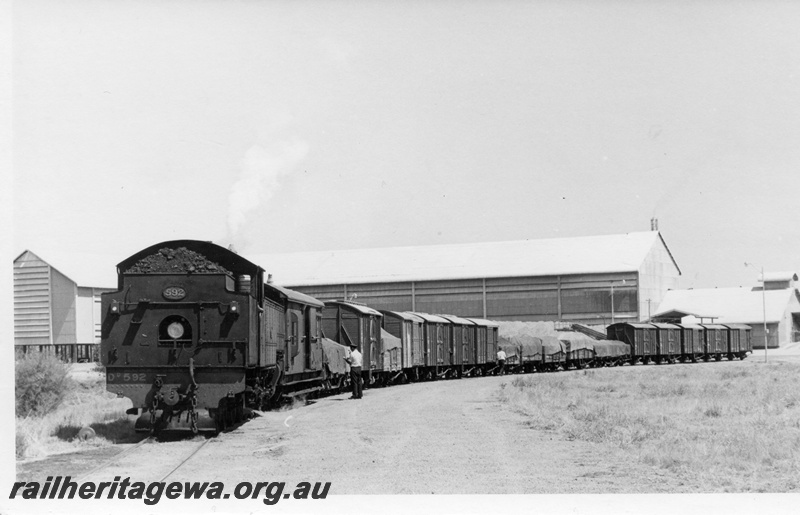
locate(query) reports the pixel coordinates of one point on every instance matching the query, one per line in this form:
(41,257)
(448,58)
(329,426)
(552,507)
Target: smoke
(263,167)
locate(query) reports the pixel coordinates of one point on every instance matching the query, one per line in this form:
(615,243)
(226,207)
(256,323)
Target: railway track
(149,460)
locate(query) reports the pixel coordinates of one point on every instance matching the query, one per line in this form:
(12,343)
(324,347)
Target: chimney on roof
(269,278)
(654,224)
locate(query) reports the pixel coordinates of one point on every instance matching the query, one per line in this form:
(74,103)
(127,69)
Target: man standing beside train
(501,361)
(355,360)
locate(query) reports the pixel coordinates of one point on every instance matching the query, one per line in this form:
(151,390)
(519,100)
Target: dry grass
(722,427)
(87,404)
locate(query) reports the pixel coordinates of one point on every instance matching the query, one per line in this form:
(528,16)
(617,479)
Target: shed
(590,279)
(57,302)
(779,309)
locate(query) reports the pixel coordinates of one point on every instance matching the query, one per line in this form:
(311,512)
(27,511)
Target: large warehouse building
(593,280)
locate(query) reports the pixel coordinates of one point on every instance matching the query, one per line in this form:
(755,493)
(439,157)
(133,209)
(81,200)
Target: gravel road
(448,437)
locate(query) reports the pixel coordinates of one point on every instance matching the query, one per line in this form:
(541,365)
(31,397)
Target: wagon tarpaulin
(530,347)
(575,341)
(333,355)
(552,348)
(611,349)
(392,347)
(511,348)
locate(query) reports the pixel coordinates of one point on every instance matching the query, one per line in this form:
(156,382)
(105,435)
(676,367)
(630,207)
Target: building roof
(778,276)
(556,256)
(86,270)
(730,305)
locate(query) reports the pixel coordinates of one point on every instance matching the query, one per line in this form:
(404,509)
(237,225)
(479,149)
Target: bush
(42,382)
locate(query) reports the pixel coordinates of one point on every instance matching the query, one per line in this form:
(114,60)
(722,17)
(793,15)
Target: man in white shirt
(356,360)
(501,361)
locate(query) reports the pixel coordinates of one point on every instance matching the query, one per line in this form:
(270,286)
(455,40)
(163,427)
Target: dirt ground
(448,437)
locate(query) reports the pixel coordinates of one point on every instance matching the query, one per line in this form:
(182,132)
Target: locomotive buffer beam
(167,420)
(302,392)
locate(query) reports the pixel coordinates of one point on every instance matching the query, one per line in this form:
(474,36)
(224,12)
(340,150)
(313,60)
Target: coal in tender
(176,261)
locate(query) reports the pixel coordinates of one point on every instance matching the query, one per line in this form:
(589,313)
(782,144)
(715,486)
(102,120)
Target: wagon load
(553,352)
(576,342)
(611,349)
(333,356)
(176,261)
(578,347)
(511,348)
(392,347)
(530,348)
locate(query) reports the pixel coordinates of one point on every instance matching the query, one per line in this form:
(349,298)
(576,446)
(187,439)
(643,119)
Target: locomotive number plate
(174,293)
(126,377)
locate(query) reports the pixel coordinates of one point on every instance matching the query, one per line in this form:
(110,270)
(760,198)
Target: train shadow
(116,431)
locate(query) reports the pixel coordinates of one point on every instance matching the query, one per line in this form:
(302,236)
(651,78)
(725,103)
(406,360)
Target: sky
(310,125)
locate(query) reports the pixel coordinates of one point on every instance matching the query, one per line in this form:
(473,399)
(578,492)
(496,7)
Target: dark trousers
(355,378)
(502,367)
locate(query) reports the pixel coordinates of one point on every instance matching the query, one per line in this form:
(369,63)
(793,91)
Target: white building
(779,295)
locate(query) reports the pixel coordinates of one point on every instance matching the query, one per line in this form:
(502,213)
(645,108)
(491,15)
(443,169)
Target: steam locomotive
(194,335)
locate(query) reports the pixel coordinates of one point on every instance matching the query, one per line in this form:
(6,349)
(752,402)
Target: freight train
(196,335)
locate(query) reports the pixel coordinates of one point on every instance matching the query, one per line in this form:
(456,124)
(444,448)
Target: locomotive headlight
(175,330)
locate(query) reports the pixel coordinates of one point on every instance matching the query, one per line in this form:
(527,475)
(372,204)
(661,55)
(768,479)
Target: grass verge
(86,404)
(722,427)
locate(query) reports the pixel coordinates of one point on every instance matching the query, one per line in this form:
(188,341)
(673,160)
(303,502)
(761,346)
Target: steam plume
(262,168)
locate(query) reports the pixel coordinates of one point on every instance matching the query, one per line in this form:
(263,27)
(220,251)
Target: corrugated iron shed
(85,270)
(558,256)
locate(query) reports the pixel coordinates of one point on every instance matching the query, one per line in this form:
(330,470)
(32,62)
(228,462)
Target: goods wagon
(578,348)
(692,342)
(408,328)
(461,345)
(715,338)
(611,353)
(668,343)
(486,337)
(739,341)
(554,354)
(351,323)
(435,334)
(640,337)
